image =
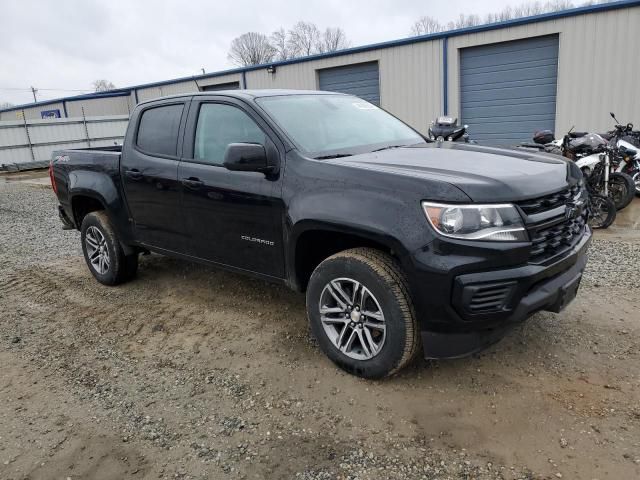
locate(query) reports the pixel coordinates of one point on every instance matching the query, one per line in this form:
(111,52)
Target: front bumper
(457,328)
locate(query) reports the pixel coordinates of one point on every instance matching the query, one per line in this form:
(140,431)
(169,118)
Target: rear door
(233,218)
(149,170)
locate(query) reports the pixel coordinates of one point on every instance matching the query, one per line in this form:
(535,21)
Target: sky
(67,44)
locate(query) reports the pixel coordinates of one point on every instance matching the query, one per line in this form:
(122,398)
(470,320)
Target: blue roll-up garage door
(362,79)
(508,90)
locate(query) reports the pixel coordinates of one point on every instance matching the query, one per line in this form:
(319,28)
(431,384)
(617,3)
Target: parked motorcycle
(595,156)
(628,142)
(598,158)
(447,128)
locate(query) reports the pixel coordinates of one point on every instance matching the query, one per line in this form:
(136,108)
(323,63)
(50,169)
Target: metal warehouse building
(505,80)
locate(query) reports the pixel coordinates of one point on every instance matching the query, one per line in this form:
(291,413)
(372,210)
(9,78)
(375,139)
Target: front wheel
(602,211)
(622,189)
(361,313)
(103,252)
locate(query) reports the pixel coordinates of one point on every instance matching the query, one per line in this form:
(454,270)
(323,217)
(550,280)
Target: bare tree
(103,86)
(464,21)
(528,9)
(251,48)
(425,25)
(332,39)
(280,45)
(304,39)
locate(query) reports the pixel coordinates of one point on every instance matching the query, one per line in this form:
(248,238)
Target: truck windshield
(325,126)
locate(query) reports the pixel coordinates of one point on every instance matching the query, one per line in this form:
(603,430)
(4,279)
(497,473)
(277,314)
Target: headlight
(477,222)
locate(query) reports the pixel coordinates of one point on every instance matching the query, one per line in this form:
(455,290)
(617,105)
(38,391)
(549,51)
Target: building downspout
(64,108)
(445,75)
(244,80)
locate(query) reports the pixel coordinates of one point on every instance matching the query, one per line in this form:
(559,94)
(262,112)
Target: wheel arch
(311,242)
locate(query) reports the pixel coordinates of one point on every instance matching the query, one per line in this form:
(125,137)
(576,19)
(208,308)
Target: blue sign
(50,114)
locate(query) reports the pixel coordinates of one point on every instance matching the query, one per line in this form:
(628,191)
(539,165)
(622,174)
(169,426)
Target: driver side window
(218,126)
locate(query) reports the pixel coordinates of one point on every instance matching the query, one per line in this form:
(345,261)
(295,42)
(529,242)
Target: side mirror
(246,157)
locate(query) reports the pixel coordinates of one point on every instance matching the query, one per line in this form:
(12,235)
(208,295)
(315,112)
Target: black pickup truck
(400,243)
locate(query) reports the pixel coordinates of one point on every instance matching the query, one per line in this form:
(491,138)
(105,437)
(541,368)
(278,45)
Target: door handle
(133,173)
(192,182)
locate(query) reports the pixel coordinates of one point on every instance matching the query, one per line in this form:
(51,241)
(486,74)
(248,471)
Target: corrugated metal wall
(164,90)
(45,136)
(99,107)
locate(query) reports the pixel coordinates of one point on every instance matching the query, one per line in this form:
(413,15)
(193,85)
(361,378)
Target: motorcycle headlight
(500,223)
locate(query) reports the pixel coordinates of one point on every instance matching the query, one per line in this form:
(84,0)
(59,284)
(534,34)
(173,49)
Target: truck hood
(484,174)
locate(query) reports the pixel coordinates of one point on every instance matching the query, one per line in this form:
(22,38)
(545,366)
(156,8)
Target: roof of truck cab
(245,94)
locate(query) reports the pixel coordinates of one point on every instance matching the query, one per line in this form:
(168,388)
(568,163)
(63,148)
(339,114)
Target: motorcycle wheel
(602,211)
(635,176)
(622,189)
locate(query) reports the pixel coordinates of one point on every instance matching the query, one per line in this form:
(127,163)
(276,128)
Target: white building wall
(99,106)
(150,93)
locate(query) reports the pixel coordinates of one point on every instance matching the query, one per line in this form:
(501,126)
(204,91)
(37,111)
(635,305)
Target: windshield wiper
(388,148)
(335,155)
(396,146)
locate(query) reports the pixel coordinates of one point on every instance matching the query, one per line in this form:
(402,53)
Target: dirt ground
(191,372)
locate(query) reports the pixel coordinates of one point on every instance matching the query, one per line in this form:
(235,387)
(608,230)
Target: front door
(233,218)
(149,170)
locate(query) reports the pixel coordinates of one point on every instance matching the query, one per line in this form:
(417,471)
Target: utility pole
(34,90)
(202,70)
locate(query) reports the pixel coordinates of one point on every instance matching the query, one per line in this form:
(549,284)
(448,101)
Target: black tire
(380,275)
(622,189)
(120,267)
(602,211)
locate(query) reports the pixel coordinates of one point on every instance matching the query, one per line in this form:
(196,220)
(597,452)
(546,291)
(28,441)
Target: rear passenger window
(218,126)
(158,130)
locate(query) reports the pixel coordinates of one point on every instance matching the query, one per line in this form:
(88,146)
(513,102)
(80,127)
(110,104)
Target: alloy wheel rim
(97,250)
(599,212)
(352,318)
(636,181)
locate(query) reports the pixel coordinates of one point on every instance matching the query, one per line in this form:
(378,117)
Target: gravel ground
(189,372)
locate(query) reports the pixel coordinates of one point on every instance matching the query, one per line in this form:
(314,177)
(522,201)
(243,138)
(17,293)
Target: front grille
(549,202)
(485,298)
(549,241)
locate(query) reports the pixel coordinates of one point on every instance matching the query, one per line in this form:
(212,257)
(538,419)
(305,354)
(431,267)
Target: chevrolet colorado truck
(400,243)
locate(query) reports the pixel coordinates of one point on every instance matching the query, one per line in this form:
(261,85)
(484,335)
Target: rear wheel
(103,252)
(622,189)
(635,176)
(361,313)
(602,211)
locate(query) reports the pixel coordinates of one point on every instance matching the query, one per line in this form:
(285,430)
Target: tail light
(52,178)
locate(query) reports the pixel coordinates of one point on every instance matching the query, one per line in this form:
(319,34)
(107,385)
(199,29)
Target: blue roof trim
(364,48)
